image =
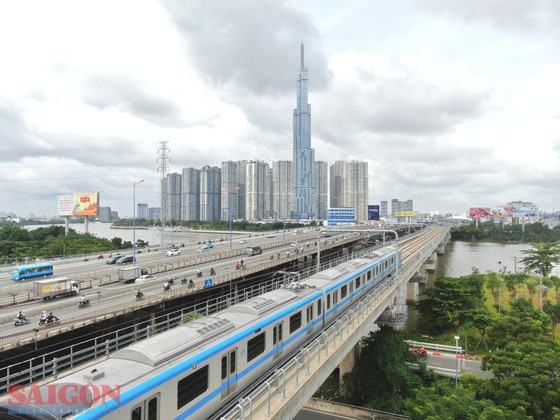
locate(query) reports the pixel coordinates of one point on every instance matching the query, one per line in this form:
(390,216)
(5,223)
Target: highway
(445,365)
(109,296)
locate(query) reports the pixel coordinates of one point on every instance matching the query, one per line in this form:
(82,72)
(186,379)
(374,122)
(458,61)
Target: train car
(194,369)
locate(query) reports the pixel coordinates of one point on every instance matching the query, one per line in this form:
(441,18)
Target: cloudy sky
(452,103)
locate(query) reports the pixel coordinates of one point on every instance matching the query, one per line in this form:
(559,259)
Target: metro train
(194,369)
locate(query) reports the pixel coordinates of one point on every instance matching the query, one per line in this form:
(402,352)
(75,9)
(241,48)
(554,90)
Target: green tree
(553,311)
(532,284)
(555,280)
(541,258)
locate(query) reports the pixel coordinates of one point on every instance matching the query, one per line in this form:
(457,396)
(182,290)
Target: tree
(555,281)
(541,258)
(531,284)
(494,281)
(553,311)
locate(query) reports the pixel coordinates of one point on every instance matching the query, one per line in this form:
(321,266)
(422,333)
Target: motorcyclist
(21,316)
(212,271)
(237,265)
(51,318)
(139,294)
(242,263)
(198,273)
(166,286)
(191,283)
(84,300)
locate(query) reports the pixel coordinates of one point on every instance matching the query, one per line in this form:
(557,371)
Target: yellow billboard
(86,204)
(404,213)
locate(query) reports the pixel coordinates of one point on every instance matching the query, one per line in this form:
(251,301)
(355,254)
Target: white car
(242,241)
(172,252)
(144,278)
(270,235)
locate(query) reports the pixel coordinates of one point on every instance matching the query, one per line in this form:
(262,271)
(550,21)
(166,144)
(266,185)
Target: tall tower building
(173,196)
(304,155)
(337,184)
(230,191)
(282,190)
(268,194)
(210,192)
(349,186)
(241,195)
(190,194)
(383,209)
(321,190)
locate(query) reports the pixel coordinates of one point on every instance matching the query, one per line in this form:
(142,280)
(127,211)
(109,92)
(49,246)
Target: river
(152,235)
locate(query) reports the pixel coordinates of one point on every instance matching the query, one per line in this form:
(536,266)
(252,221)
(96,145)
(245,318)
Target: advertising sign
(405,213)
(64,205)
(86,204)
(479,212)
(373,212)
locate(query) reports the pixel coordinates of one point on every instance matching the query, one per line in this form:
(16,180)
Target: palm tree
(541,258)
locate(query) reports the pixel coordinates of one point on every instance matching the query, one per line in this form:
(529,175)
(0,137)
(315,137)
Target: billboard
(405,213)
(85,204)
(64,205)
(480,212)
(373,212)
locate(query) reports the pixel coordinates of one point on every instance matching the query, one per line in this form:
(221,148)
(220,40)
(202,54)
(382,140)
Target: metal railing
(435,346)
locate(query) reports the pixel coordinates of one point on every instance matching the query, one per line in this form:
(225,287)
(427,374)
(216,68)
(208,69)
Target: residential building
(349,186)
(282,189)
(230,191)
(400,206)
(104,215)
(153,213)
(190,194)
(173,196)
(268,193)
(142,211)
(321,189)
(256,189)
(114,216)
(383,210)
(241,194)
(210,193)
(304,155)
(341,216)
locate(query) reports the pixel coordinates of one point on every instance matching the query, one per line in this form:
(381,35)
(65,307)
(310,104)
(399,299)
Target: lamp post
(456,360)
(232,190)
(134,220)
(500,289)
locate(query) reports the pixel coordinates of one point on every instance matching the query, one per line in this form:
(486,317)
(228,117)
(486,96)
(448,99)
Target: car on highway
(172,252)
(206,247)
(144,278)
(243,241)
(270,235)
(125,260)
(113,259)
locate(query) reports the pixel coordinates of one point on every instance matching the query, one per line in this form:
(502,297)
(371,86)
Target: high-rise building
(153,213)
(321,189)
(190,194)
(304,155)
(114,215)
(241,195)
(104,215)
(282,189)
(398,206)
(173,196)
(142,211)
(256,181)
(268,193)
(210,193)
(349,186)
(395,206)
(230,191)
(383,209)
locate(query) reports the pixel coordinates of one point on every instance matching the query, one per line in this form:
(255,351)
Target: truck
(129,274)
(55,288)
(253,250)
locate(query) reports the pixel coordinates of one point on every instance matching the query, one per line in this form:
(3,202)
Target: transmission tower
(163,160)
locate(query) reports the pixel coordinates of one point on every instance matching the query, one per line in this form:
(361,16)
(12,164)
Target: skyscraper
(256,189)
(190,194)
(173,196)
(349,186)
(142,211)
(304,155)
(230,191)
(210,192)
(241,182)
(321,189)
(383,209)
(282,190)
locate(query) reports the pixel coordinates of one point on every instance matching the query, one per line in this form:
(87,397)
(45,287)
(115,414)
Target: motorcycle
(212,272)
(49,321)
(140,296)
(83,303)
(166,287)
(21,321)
(199,273)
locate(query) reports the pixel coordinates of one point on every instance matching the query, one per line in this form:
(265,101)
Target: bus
(253,250)
(24,272)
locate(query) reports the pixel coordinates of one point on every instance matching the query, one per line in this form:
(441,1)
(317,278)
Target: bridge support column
(412,291)
(348,363)
(431,263)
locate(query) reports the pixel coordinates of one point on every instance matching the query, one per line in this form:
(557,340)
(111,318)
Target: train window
(192,386)
(335,297)
(357,282)
(310,313)
(153,409)
(343,291)
(224,367)
(295,322)
(328,301)
(369,275)
(232,361)
(136,414)
(255,346)
(319,307)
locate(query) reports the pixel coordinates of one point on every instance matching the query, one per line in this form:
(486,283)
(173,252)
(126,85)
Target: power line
(59,178)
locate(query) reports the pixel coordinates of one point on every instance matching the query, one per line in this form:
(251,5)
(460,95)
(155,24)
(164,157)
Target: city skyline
(450,130)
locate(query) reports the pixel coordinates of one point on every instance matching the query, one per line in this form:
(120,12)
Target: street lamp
(232,190)
(456,360)
(134,220)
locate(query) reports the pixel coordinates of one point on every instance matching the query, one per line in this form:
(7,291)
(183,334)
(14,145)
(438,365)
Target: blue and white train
(194,369)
